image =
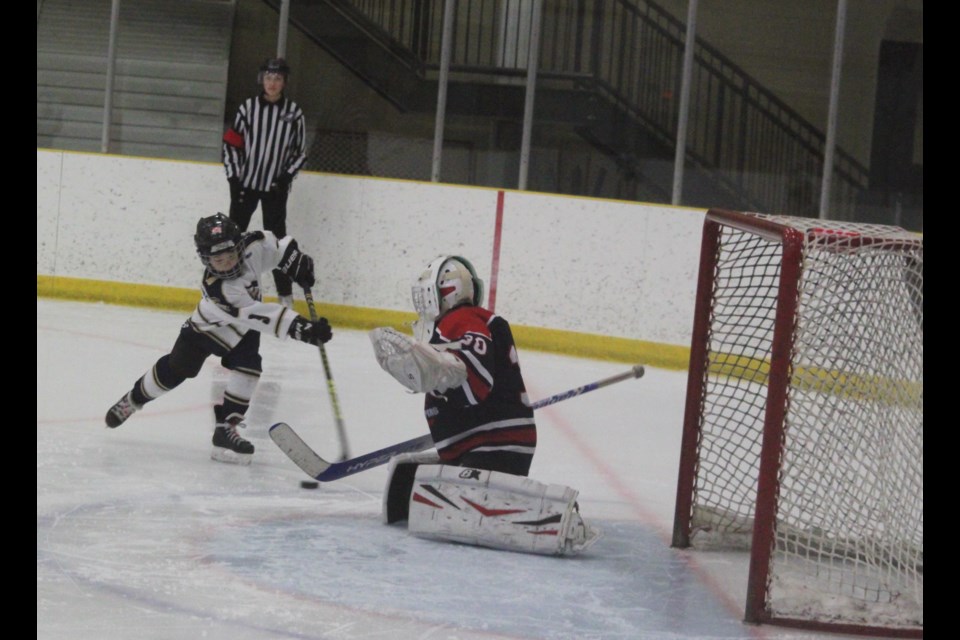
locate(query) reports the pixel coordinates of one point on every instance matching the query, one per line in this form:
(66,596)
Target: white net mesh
(848,544)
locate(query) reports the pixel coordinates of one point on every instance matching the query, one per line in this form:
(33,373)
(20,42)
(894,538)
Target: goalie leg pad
(497,510)
(400,474)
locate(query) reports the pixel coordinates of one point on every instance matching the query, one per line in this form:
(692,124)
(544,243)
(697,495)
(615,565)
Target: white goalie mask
(447,282)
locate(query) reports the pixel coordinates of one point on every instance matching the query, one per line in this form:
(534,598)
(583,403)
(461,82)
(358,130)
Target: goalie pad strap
(400,474)
(416,365)
(498,510)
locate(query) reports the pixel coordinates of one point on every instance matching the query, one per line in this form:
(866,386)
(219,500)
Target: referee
(262,152)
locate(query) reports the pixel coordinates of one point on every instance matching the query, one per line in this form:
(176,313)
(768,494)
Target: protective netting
(387,155)
(848,537)
(741,333)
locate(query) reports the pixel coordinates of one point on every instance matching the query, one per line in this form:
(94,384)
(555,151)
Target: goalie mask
(219,245)
(446,283)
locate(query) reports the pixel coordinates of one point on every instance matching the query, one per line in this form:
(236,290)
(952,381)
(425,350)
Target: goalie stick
(319,469)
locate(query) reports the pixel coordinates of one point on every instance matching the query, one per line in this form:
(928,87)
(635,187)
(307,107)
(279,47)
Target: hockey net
(803,434)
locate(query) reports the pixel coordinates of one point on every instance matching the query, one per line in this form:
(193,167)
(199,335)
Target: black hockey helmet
(274,65)
(215,235)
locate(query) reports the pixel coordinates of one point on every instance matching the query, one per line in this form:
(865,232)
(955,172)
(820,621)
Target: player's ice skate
(228,446)
(123,409)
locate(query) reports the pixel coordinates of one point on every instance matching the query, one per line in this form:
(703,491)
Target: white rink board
(372,236)
(48,195)
(577,264)
(602,267)
(129,219)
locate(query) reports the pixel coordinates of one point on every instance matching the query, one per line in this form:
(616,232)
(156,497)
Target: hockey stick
(341,431)
(319,469)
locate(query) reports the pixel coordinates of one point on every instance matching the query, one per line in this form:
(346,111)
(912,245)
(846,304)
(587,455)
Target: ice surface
(141,536)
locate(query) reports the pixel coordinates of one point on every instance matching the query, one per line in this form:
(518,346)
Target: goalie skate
(580,535)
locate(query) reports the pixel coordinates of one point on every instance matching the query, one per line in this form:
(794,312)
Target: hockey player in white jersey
(227,323)
(473,489)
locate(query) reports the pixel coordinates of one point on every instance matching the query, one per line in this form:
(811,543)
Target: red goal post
(803,428)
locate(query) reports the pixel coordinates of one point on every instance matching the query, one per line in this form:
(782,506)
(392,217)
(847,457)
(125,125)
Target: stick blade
(297,450)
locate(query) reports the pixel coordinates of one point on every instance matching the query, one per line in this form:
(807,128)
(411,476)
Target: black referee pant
(243,202)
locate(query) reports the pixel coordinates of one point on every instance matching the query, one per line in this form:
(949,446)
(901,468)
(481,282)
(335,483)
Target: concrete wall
(596,267)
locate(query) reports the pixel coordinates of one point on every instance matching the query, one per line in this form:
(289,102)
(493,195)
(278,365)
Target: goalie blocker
(484,508)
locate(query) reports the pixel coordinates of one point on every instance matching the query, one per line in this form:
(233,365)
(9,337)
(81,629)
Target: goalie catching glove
(315,333)
(297,265)
(418,366)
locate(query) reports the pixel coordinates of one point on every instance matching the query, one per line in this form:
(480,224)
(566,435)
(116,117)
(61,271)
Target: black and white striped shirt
(266,140)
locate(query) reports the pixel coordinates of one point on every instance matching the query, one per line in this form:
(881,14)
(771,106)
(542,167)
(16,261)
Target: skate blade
(572,548)
(230,457)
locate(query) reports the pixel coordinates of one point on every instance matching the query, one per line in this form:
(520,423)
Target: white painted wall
(577,264)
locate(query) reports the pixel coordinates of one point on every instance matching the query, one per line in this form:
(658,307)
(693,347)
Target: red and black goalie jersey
(486,422)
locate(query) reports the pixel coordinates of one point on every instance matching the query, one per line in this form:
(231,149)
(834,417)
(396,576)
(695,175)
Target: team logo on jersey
(288,117)
(254,290)
(470,474)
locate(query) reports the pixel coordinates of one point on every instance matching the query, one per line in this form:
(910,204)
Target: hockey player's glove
(297,265)
(315,333)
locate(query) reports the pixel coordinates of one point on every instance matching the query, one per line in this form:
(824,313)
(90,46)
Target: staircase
(170,76)
(610,69)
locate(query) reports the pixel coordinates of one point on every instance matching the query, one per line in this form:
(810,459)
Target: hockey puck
(309,484)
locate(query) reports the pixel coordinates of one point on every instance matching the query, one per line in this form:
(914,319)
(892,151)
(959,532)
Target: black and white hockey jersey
(489,411)
(230,308)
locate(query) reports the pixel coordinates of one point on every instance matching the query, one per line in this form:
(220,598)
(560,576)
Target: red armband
(233,138)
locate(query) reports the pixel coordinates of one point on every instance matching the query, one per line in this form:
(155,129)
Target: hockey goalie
(474,488)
